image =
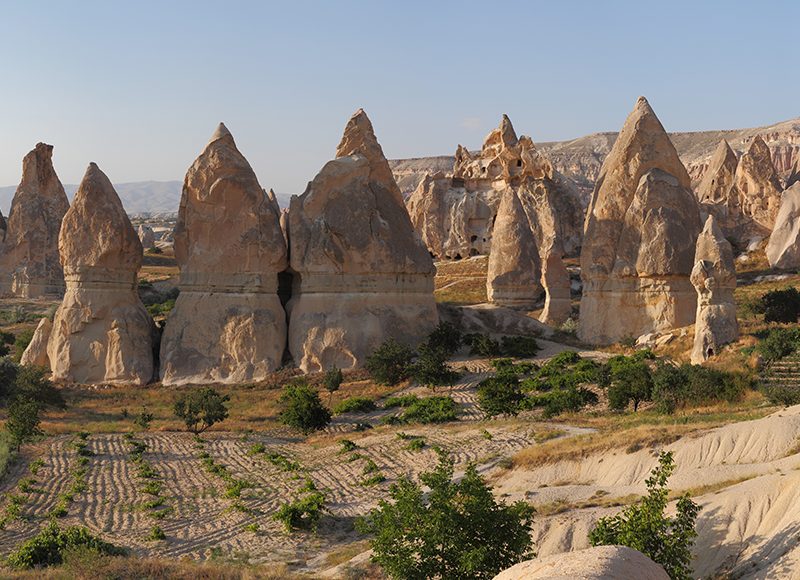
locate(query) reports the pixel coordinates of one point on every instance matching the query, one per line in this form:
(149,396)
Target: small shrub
(519,346)
(252,528)
(201,408)
(431,370)
(786,395)
(416,444)
(143,419)
(256,448)
(355,405)
(400,401)
(779,343)
(482,345)
(557,401)
(431,410)
(332,381)
(283,462)
(347,446)
(500,396)
(390,363)
(48,547)
(156,534)
(302,408)
(304,512)
(374,479)
(781,305)
(445,338)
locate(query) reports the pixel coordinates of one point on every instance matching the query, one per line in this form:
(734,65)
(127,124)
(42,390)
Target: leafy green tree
(144,418)
(430,369)
(332,381)
(446,338)
(645,527)
(390,363)
(456,530)
(500,395)
(482,345)
(630,381)
(51,545)
(201,408)
(781,305)
(669,387)
(779,343)
(305,511)
(23,420)
(302,408)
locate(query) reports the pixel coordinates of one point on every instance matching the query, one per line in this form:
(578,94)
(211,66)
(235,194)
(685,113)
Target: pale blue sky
(138,86)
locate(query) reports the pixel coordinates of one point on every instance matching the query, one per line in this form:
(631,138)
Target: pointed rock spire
(230,248)
(718,180)
(714,278)
(30,262)
(758,184)
(514,267)
(783,249)
(794,174)
(101,332)
(220,133)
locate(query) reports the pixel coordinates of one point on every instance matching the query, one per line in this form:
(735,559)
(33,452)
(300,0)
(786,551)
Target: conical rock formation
(228,324)
(783,249)
(362,275)
(147,236)
(758,184)
(639,239)
(714,278)
(36,352)
(717,191)
(514,268)
(101,332)
(30,262)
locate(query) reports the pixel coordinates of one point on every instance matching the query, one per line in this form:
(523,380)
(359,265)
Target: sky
(138,87)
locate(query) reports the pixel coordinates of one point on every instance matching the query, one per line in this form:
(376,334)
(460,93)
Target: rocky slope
(580,159)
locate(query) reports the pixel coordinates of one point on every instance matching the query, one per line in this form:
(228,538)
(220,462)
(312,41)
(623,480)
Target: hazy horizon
(140,88)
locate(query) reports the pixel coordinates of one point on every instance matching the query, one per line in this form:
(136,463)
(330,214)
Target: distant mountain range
(138,197)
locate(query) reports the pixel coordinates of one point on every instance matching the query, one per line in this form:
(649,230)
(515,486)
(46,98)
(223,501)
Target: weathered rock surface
(228,324)
(600,563)
(758,184)
(794,174)
(717,191)
(36,352)
(30,262)
(556,282)
(455,215)
(714,278)
(640,236)
(514,269)
(147,236)
(362,275)
(783,248)
(101,332)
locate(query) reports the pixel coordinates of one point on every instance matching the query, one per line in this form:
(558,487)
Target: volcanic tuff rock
(599,563)
(758,184)
(36,352)
(783,249)
(228,324)
(714,278)
(514,268)
(147,236)
(30,262)
(640,236)
(794,174)
(455,215)
(362,275)
(101,332)
(717,191)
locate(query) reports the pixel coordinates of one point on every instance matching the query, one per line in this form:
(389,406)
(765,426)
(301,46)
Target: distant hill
(138,197)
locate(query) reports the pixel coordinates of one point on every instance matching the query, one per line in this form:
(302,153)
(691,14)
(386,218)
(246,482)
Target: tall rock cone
(717,191)
(228,324)
(639,237)
(758,184)
(794,174)
(362,275)
(30,262)
(783,248)
(714,277)
(101,332)
(514,267)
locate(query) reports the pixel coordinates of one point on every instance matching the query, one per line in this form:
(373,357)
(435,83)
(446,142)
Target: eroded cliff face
(362,274)
(639,240)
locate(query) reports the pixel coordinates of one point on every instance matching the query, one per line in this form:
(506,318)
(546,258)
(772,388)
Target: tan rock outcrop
(599,563)
(639,239)
(362,275)
(514,269)
(714,278)
(147,236)
(36,352)
(228,324)
(101,332)
(758,184)
(717,192)
(30,262)
(555,279)
(794,175)
(783,248)
(455,215)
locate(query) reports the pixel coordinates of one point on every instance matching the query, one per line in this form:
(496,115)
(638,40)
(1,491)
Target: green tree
(302,408)
(500,395)
(455,530)
(390,363)
(645,527)
(332,381)
(446,338)
(23,420)
(630,381)
(430,369)
(669,387)
(781,305)
(201,408)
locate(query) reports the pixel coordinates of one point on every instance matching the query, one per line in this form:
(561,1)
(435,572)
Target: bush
(156,534)
(500,395)
(355,405)
(161,308)
(302,408)
(390,363)
(781,305)
(304,512)
(431,410)
(675,387)
(779,343)
(201,408)
(332,381)
(456,530)
(482,345)
(519,346)
(630,382)
(431,370)
(786,395)
(143,419)
(645,527)
(559,401)
(400,401)
(445,338)
(23,420)
(48,547)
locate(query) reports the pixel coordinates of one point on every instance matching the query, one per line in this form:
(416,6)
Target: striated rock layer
(30,262)
(228,325)
(639,239)
(101,332)
(758,184)
(783,249)
(714,278)
(361,273)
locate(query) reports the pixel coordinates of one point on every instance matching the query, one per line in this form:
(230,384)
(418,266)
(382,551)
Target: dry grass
(599,499)
(710,488)
(461,281)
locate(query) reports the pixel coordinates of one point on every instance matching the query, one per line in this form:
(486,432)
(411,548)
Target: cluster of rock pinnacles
(654,255)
